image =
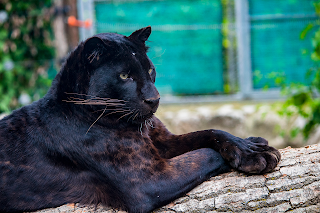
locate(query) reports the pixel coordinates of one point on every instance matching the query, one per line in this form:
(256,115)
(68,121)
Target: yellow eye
(124,76)
(150,71)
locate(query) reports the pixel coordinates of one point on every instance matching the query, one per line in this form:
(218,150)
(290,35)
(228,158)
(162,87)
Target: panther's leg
(178,176)
(251,155)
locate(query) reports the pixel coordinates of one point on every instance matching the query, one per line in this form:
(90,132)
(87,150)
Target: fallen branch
(294,185)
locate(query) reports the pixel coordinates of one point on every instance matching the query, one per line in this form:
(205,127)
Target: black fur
(94,139)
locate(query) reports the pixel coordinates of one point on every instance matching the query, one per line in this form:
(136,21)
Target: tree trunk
(294,185)
(60,37)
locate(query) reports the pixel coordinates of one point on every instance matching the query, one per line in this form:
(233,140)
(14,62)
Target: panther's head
(111,74)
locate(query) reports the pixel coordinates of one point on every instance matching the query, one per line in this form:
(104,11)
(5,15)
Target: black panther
(94,139)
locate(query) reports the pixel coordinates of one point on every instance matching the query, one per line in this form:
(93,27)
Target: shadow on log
(294,186)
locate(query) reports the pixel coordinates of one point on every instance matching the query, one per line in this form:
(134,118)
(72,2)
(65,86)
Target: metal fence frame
(242,26)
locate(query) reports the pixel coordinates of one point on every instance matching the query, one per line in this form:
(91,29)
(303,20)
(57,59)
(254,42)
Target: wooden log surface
(294,186)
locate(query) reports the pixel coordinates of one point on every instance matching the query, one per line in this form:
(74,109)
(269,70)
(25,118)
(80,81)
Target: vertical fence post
(86,11)
(244,48)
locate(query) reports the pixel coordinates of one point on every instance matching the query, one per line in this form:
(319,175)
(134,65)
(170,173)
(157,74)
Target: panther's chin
(142,118)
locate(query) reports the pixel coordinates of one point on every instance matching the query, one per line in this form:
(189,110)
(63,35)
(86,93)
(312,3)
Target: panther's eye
(124,76)
(150,71)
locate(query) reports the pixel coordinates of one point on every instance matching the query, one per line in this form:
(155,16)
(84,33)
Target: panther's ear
(142,34)
(94,49)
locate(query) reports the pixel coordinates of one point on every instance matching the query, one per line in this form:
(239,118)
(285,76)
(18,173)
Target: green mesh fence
(185,42)
(276,46)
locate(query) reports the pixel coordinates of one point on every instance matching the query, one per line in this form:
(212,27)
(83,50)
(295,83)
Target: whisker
(94,103)
(135,115)
(149,122)
(115,112)
(132,115)
(96,120)
(140,129)
(125,115)
(94,97)
(99,110)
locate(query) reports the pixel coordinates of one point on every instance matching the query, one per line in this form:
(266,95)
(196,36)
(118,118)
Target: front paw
(251,155)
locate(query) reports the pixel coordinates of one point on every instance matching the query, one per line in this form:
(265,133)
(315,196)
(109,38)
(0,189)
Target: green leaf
(294,132)
(306,30)
(300,98)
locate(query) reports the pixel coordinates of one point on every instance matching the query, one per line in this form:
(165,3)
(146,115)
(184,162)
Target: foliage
(25,47)
(229,45)
(302,99)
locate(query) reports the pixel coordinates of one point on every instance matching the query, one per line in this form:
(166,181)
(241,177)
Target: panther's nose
(153,103)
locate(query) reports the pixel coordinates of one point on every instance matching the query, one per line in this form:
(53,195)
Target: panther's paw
(251,155)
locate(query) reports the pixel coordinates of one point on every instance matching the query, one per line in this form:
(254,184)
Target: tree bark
(60,37)
(293,186)
(72,32)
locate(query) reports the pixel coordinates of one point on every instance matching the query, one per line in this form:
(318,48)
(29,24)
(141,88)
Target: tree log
(293,186)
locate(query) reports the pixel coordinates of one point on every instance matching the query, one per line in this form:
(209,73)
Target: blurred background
(250,67)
